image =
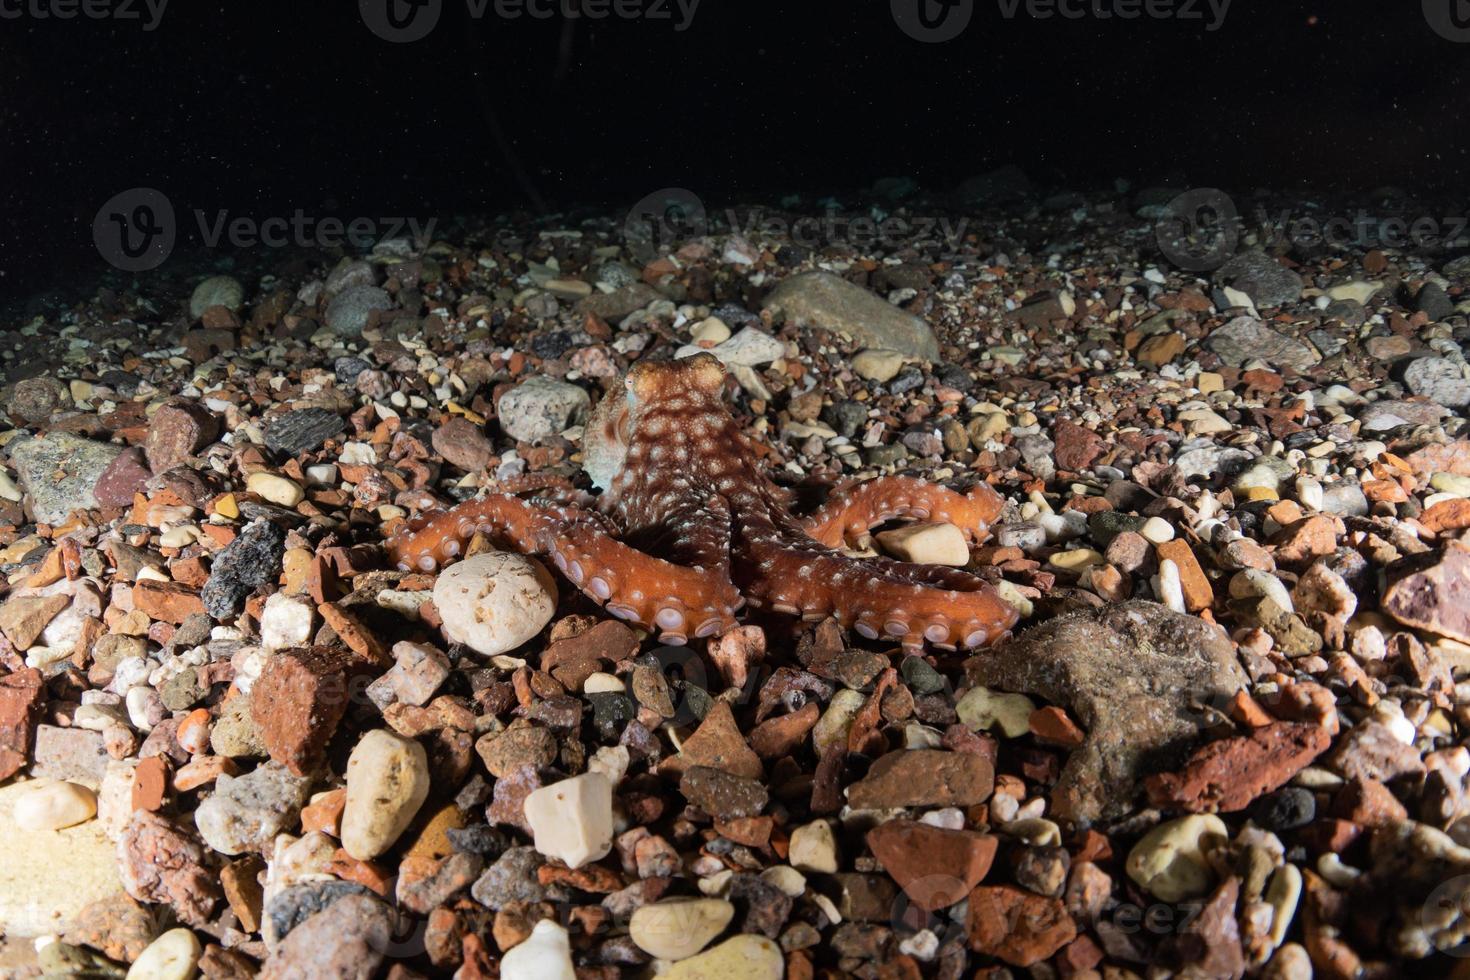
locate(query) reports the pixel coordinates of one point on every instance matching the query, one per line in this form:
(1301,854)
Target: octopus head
(651,383)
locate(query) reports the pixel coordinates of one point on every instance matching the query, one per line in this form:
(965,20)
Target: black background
(263,107)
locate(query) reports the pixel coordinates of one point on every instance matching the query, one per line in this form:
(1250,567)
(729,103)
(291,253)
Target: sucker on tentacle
(690,529)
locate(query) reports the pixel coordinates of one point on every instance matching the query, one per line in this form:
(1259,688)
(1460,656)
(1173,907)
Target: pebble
(541,407)
(1440,380)
(572,820)
(223,291)
(172,956)
(350,311)
(927,544)
(48,805)
(813,848)
(246,812)
(1171,862)
(741,958)
(387,783)
(830,302)
(494,602)
(275,488)
(881,366)
(302,431)
(59,473)
(1247,339)
(678,929)
(545,955)
(984,710)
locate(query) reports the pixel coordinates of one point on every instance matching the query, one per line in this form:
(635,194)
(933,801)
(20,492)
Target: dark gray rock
(303,430)
(250,561)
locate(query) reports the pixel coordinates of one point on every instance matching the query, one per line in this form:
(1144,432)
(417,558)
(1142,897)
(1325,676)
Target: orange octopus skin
(690,529)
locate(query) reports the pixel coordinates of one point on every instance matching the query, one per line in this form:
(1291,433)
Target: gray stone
(59,473)
(1385,415)
(349,311)
(829,302)
(541,408)
(1142,682)
(1440,380)
(303,430)
(72,754)
(1247,339)
(223,291)
(1266,281)
(247,811)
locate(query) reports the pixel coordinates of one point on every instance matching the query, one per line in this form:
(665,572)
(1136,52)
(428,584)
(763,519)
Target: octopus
(688,530)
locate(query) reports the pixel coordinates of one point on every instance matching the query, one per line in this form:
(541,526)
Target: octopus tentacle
(849,515)
(877,597)
(645,590)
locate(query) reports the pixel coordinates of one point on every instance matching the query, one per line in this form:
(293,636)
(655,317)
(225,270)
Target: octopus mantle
(689,530)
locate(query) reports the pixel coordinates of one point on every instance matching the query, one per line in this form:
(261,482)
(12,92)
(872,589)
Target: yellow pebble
(1261,493)
(1075,560)
(226,507)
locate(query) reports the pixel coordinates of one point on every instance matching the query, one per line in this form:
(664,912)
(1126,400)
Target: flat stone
(1440,380)
(677,929)
(1266,281)
(1431,591)
(924,777)
(1247,339)
(829,302)
(722,795)
(495,601)
(1229,774)
(351,310)
(127,474)
(741,958)
(162,862)
(936,868)
(541,407)
(1132,676)
(717,743)
(71,754)
(303,430)
(463,444)
(22,618)
(22,700)
(60,472)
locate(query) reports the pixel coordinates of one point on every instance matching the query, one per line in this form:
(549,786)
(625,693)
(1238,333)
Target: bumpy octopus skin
(689,530)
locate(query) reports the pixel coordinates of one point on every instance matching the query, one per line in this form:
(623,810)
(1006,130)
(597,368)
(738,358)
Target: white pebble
(1170,861)
(927,544)
(387,782)
(494,602)
(1157,530)
(677,929)
(286,622)
(275,488)
(813,848)
(572,820)
(545,955)
(54,805)
(172,956)
(1169,587)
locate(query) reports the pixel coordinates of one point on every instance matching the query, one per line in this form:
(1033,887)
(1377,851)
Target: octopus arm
(653,593)
(912,604)
(847,516)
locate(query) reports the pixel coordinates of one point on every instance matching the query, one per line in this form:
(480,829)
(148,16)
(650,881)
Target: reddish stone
(325,814)
(124,476)
(717,743)
(150,780)
(170,602)
(240,881)
(1432,591)
(357,637)
(298,701)
(1304,541)
(1368,803)
(1016,926)
(1227,775)
(1198,593)
(935,867)
(22,699)
(776,738)
(161,862)
(1329,836)
(1077,447)
(924,777)
(1051,726)
(178,430)
(463,444)
(575,658)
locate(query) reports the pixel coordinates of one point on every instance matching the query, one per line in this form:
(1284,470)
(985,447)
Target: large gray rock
(59,473)
(1246,339)
(350,311)
(1266,281)
(827,301)
(1440,380)
(1142,681)
(542,407)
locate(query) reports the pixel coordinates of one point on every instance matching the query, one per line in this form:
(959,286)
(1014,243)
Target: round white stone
(494,602)
(545,955)
(677,929)
(54,805)
(172,956)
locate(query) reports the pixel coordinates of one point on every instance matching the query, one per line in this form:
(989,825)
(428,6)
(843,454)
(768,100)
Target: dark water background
(260,108)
